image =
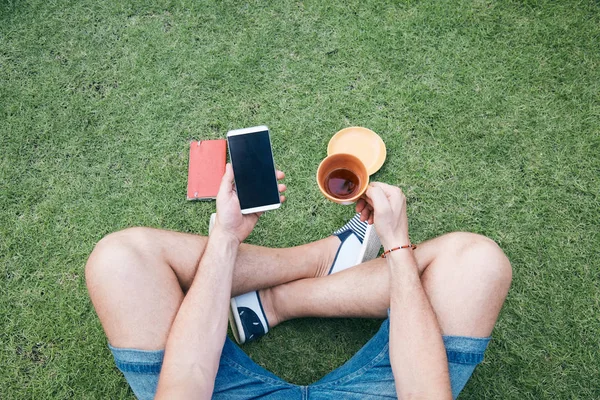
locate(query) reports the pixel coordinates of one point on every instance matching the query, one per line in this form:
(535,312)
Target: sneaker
(359,243)
(247,318)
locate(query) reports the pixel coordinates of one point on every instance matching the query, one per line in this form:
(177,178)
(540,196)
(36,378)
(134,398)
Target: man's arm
(417,352)
(198,333)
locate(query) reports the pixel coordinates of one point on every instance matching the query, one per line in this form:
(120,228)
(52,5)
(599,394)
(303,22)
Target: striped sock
(356,226)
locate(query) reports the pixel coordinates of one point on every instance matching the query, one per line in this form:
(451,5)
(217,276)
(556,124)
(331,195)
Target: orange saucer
(362,143)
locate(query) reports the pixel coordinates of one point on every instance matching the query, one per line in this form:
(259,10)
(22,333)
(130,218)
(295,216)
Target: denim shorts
(367,375)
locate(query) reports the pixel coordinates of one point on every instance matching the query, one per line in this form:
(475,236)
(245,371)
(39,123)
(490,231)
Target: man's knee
(117,256)
(483,257)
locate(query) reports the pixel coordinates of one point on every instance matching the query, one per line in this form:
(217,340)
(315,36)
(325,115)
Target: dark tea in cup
(342,183)
(342,178)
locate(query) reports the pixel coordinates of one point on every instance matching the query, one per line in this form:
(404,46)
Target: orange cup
(344,166)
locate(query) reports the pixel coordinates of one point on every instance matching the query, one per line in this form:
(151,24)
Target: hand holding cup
(385,206)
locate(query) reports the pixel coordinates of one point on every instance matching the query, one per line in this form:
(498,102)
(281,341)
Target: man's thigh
(136,279)
(466,277)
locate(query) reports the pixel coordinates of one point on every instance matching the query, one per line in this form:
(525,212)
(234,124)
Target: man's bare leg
(466,278)
(137,278)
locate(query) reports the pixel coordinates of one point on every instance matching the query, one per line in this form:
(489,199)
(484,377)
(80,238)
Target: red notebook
(207,166)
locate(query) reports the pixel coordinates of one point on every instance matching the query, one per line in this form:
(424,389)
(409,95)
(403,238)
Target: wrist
(225,238)
(395,241)
(402,261)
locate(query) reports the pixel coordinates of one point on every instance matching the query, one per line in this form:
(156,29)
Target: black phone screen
(253,168)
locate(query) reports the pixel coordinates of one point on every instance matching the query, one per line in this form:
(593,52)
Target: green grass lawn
(490,112)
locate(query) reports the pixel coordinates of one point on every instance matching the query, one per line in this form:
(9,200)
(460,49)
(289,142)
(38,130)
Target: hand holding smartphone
(253,165)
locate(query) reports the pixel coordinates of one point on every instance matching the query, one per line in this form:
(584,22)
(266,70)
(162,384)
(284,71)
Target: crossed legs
(137,279)
(466,278)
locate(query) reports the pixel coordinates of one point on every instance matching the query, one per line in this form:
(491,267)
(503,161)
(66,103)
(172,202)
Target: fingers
(227,181)
(366,214)
(228,175)
(360,205)
(363,216)
(378,198)
(383,186)
(281,187)
(255,215)
(389,190)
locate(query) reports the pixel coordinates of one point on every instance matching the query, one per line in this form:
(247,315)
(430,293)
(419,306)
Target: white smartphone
(253,169)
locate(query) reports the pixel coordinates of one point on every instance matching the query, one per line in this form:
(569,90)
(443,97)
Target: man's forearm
(198,333)
(417,352)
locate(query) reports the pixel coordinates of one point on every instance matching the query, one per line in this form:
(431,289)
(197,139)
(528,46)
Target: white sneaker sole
(370,246)
(211,223)
(236,323)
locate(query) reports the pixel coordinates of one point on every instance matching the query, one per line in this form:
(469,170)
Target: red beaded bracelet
(408,246)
